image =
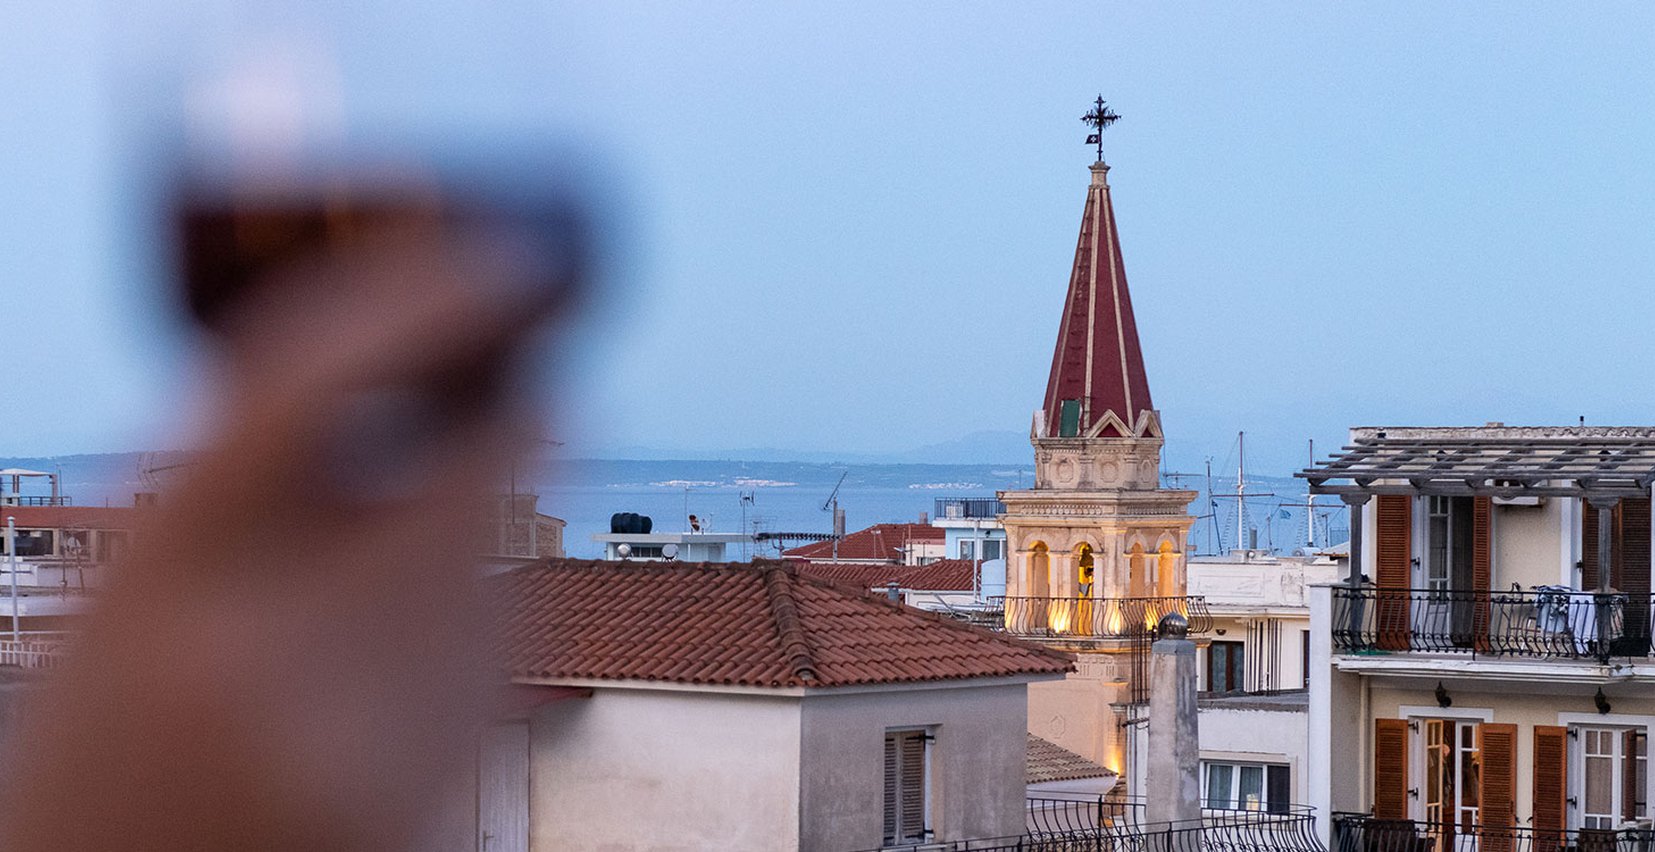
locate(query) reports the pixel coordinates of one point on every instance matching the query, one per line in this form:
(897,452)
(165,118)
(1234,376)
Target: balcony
(1541,623)
(1363,833)
(968,508)
(1058,824)
(32,653)
(1099,618)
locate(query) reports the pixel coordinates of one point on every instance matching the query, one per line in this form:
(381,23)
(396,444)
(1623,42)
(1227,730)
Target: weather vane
(1100,117)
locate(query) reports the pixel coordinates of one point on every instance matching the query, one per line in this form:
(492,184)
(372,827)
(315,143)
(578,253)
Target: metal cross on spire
(1100,117)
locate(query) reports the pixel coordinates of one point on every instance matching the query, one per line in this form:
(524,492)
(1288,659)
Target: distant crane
(832,505)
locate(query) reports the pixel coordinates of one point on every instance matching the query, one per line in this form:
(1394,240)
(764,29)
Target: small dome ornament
(1172,626)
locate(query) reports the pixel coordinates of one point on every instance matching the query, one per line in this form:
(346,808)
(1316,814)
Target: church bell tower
(1096,549)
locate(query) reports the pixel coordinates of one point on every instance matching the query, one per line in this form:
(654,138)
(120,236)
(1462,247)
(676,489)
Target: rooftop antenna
(746,500)
(1100,117)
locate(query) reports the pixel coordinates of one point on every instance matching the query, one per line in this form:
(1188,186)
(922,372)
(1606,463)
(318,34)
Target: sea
(768,496)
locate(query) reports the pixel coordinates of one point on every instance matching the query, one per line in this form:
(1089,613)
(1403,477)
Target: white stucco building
(748,707)
(1484,678)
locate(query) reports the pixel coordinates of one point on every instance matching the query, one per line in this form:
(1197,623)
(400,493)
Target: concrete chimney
(1173,784)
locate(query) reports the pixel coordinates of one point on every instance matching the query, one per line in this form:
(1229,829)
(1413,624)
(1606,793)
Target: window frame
(1267,770)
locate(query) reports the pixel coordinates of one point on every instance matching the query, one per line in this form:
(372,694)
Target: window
(34,542)
(1246,786)
(1224,667)
(1614,773)
(993,548)
(1304,654)
(906,783)
(968,548)
(111,545)
(1448,544)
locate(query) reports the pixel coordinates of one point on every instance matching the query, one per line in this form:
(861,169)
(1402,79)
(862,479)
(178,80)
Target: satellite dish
(623,550)
(670,551)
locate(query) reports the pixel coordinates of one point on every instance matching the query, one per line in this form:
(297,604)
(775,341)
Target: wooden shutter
(1588,545)
(1634,573)
(1551,786)
(893,786)
(905,786)
(1390,769)
(1497,752)
(1393,563)
(1482,567)
(913,786)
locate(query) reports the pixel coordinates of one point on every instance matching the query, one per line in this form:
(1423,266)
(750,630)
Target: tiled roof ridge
(936,617)
(778,587)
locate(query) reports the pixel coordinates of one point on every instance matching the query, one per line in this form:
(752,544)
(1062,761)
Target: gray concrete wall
(636,769)
(976,763)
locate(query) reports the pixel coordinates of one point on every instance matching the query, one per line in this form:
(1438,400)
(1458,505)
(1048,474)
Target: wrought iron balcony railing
(1100,618)
(1059,824)
(1057,814)
(1543,622)
(1363,833)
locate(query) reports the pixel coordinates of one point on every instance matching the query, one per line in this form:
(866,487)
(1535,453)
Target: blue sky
(847,227)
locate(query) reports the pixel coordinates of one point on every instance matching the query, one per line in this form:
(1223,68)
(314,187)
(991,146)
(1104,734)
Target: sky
(848,227)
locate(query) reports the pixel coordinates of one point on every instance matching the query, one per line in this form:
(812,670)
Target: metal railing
(1099,825)
(1543,622)
(39,500)
(1060,813)
(31,653)
(1100,618)
(1363,833)
(955,508)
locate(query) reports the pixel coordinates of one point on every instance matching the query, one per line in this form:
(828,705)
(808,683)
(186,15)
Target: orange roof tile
(943,575)
(764,624)
(884,542)
(1048,761)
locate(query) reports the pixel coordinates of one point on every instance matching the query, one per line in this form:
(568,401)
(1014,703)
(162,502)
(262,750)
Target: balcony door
(1451,786)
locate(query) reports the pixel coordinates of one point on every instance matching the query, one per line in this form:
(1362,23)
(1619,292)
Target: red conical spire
(1098,387)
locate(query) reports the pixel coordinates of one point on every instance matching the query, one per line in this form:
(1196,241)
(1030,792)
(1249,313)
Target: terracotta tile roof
(943,575)
(63,517)
(763,624)
(878,542)
(1048,761)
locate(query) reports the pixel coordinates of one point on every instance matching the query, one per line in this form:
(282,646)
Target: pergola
(1602,466)
(1501,467)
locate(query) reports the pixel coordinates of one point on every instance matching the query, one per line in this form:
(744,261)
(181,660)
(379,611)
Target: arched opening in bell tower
(1137,569)
(1085,575)
(1039,571)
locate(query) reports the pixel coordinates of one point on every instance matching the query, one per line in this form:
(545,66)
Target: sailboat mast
(1310,505)
(1241,491)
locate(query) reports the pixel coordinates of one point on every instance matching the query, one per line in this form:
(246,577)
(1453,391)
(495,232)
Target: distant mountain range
(984,447)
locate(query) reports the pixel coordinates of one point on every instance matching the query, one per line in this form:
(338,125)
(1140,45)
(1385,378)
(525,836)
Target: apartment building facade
(1482,676)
